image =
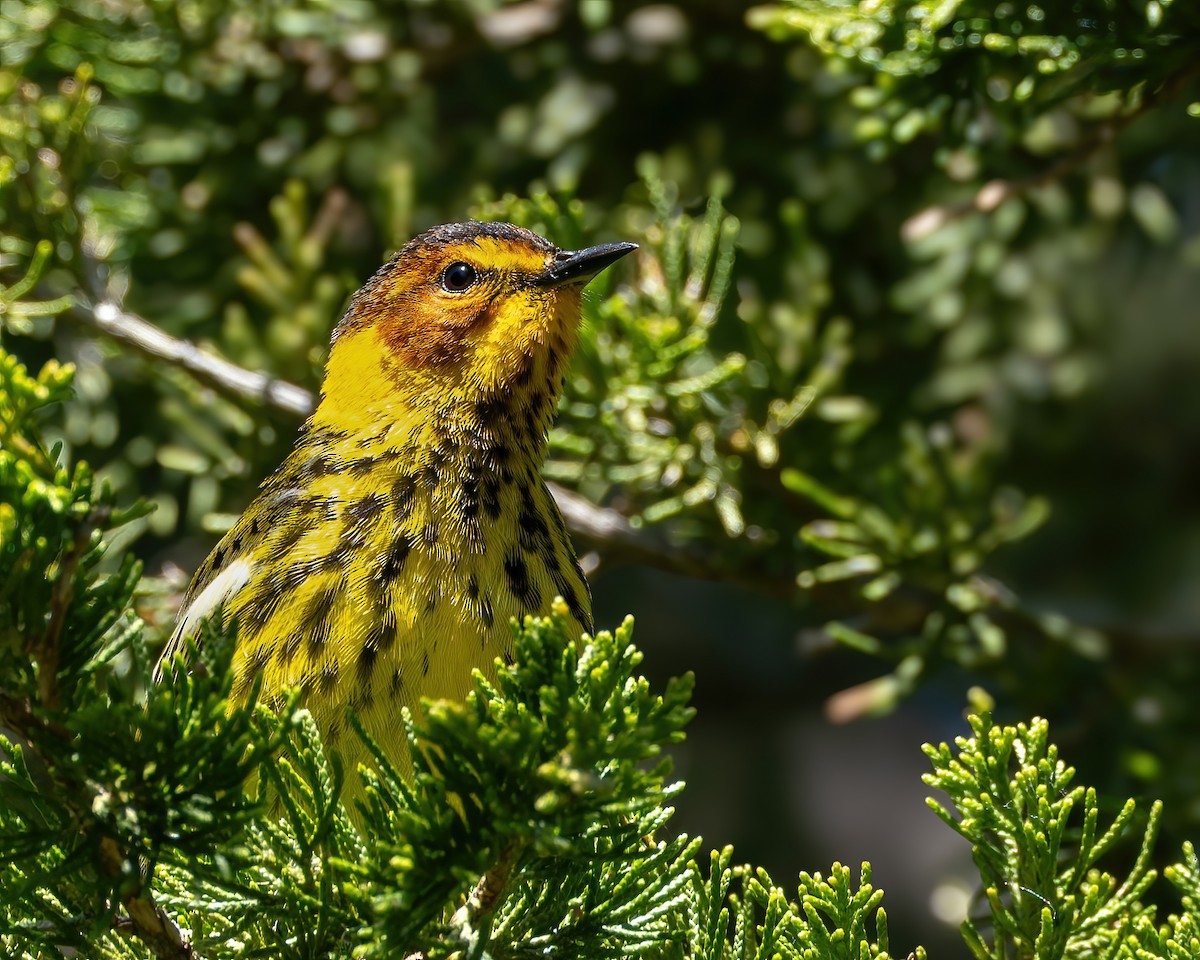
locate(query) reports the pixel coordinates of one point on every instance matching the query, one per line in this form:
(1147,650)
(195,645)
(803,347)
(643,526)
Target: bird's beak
(579,266)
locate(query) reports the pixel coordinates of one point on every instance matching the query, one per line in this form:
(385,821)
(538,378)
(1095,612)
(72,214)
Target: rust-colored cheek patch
(428,331)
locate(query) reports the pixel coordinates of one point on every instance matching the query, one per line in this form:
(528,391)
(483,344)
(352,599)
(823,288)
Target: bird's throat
(371,405)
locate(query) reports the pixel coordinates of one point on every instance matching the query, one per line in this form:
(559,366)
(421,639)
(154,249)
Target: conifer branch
(488,893)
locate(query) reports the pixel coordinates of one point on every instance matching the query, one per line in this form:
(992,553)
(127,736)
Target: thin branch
(993,193)
(612,534)
(148,339)
(473,918)
(146,919)
(45,653)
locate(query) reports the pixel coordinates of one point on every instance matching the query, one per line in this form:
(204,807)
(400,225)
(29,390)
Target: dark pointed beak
(579,266)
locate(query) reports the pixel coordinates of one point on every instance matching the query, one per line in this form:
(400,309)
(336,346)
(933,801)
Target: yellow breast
(384,560)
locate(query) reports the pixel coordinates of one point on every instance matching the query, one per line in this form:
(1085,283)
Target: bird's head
(464,311)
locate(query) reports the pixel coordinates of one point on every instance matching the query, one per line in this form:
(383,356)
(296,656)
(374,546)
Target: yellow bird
(382,561)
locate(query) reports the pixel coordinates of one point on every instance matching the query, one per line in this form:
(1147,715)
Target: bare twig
(474,917)
(995,192)
(146,920)
(148,339)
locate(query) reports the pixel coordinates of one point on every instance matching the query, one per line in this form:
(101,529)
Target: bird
(385,558)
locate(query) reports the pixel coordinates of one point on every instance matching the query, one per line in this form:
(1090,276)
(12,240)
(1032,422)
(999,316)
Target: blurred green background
(899,401)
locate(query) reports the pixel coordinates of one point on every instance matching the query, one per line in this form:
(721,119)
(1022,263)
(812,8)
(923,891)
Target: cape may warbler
(382,561)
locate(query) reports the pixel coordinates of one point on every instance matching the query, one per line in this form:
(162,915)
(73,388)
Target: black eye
(459,277)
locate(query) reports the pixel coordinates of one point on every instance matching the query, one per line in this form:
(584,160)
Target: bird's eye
(459,277)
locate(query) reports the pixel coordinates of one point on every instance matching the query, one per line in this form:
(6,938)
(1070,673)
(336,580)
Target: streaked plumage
(383,560)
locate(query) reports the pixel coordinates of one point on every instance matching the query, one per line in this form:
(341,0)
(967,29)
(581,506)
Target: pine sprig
(838,914)
(1036,842)
(1179,937)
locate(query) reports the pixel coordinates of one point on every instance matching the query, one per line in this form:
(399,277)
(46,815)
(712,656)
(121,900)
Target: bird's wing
(225,571)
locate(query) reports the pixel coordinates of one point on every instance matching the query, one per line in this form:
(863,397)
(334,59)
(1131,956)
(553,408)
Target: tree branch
(214,371)
(145,920)
(473,919)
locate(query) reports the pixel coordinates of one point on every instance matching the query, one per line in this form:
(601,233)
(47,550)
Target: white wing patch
(223,586)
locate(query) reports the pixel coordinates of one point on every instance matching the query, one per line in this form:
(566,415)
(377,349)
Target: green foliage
(1179,937)
(290,285)
(20,312)
(1037,844)
(983,74)
(97,785)
(53,607)
(1009,101)
(543,771)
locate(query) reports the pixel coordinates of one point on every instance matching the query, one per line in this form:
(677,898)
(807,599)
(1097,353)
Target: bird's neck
(373,409)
